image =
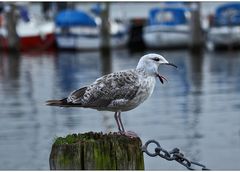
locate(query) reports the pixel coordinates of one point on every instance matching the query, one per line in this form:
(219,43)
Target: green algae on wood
(96,151)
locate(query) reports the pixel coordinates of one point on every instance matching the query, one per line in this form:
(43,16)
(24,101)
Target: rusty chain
(174,154)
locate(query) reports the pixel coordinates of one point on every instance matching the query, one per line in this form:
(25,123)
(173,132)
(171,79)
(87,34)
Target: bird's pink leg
(127,133)
(116,118)
(120,121)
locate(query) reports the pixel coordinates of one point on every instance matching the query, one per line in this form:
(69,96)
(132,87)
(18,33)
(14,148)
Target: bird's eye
(156,59)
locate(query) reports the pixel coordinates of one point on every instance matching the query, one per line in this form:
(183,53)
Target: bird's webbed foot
(129,134)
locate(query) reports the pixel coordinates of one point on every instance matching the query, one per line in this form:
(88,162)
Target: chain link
(174,154)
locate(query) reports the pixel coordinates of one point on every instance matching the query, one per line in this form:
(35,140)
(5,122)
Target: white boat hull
(88,38)
(38,35)
(163,37)
(225,36)
(82,42)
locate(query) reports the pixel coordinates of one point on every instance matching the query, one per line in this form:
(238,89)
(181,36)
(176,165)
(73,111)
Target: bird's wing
(121,85)
(77,94)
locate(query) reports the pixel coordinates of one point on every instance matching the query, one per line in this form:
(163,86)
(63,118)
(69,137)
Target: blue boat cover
(228,15)
(167,16)
(69,18)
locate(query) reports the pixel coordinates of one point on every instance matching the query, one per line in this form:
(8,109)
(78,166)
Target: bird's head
(150,64)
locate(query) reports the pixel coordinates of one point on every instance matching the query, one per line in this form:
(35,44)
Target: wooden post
(196,29)
(106,61)
(11,18)
(105,27)
(96,151)
(105,40)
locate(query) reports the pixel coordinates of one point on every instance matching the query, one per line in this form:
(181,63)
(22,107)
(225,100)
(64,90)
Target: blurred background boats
(224,27)
(159,25)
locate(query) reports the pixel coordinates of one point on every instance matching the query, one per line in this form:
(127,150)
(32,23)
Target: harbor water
(197,110)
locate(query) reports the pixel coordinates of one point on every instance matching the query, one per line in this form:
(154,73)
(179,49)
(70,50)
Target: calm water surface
(197,110)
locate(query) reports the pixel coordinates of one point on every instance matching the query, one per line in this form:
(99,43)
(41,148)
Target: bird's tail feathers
(55,102)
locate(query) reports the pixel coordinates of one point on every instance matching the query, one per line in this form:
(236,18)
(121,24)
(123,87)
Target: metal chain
(174,154)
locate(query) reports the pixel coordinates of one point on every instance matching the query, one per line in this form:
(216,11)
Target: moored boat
(224,27)
(167,28)
(34,34)
(76,29)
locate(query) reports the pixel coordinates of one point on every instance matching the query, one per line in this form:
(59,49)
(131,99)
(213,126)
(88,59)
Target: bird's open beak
(162,78)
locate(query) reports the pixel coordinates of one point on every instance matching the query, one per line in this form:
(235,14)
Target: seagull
(118,91)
